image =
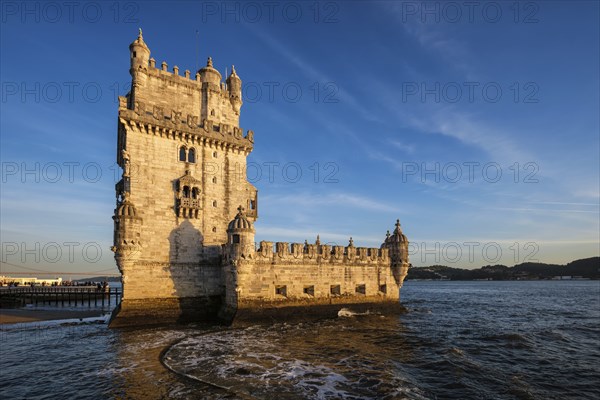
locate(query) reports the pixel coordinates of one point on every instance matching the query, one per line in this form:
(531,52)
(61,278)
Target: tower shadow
(196,274)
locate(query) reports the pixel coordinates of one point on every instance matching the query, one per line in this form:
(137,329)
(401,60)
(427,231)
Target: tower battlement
(275,252)
(203,97)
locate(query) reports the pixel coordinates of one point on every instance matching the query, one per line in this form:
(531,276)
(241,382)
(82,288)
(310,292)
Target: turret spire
(397,230)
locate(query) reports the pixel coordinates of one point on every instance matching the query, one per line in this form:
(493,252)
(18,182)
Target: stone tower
(183,222)
(183,157)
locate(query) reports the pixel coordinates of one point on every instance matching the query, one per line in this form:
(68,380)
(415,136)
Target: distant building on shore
(185,213)
(7,280)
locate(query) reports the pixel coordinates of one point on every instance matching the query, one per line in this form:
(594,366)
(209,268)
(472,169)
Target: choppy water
(458,340)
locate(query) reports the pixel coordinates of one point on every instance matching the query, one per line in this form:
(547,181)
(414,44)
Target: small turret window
(182,155)
(192,156)
(134,54)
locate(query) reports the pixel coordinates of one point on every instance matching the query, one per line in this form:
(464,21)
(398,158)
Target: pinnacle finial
(387,235)
(209,63)
(233,70)
(351,242)
(140,34)
(318,242)
(398,224)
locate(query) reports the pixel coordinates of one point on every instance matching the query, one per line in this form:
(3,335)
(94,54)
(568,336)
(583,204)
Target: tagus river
(458,340)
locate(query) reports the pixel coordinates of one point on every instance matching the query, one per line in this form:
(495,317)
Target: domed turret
(397,236)
(139,53)
(126,209)
(210,75)
(240,224)
(127,232)
(234,86)
(397,243)
(240,236)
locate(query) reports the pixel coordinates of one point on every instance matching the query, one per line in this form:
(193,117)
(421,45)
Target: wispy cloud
(314,74)
(545,210)
(332,199)
(407,148)
(328,237)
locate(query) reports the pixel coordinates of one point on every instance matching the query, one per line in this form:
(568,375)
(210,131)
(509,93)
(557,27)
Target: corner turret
(210,75)
(397,244)
(127,232)
(139,54)
(234,86)
(240,236)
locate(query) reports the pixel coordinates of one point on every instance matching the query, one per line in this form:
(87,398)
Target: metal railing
(59,296)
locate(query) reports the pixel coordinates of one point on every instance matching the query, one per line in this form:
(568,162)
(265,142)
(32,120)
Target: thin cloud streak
(334,199)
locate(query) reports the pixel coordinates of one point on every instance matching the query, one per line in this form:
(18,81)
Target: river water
(458,340)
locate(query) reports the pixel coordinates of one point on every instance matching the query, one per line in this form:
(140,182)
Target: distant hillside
(585,268)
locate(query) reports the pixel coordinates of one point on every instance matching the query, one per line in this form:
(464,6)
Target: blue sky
(477,127)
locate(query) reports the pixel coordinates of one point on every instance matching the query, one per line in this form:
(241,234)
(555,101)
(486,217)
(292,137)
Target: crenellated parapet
(285,252)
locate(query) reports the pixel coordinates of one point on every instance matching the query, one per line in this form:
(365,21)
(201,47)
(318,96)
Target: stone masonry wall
(300,275)
(147,280)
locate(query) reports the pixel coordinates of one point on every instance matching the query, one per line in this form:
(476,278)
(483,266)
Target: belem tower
(183,225)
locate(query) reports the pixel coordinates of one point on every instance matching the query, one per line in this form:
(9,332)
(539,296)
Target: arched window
(192,155)
(186,192)
(195,193)
(182,155)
